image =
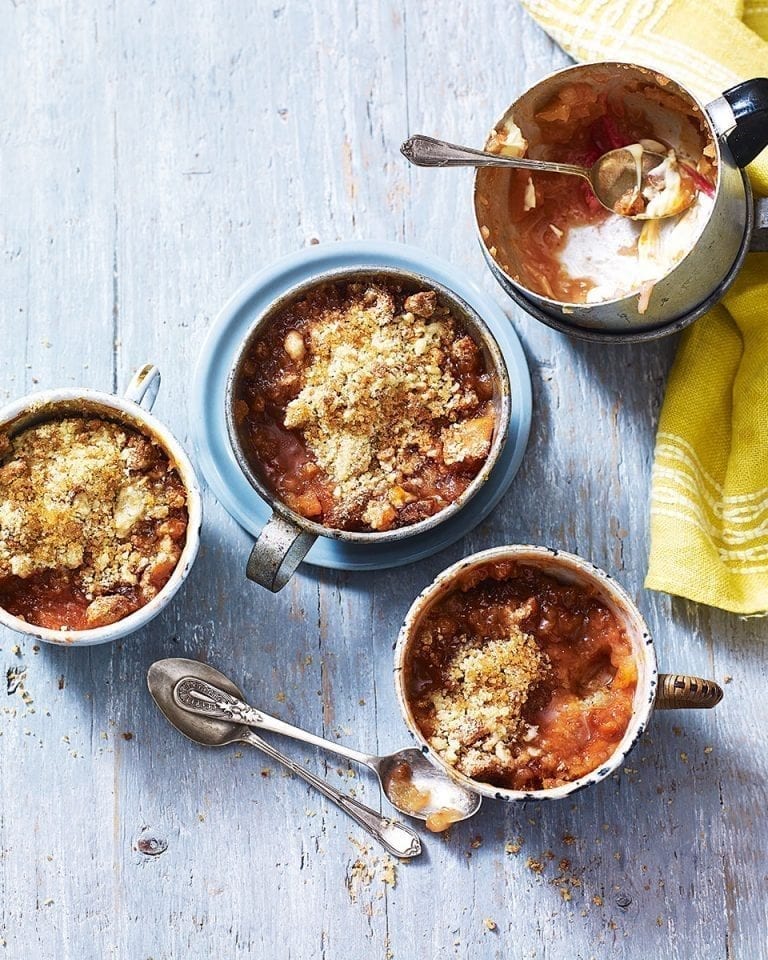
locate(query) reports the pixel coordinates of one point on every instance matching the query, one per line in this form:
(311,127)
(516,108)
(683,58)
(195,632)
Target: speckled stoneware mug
(654,690)
(132,409)
(285,540)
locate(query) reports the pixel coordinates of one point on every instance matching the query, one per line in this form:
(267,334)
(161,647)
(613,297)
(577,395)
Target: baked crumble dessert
(93,521)
(519,680)
(366,406)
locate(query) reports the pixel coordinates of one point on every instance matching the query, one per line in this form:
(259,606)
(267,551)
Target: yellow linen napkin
(709,496)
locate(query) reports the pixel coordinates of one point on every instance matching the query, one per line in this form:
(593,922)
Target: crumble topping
(374,390)
(487,683)
(93,505)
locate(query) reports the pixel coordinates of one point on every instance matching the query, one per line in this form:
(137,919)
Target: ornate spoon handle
(429,152)
(398,839)
(201,697)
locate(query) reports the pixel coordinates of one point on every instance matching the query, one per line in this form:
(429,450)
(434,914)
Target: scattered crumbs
(388,874)
(280,696)
(361,701)
(308,660)
(47,902)
(366,869)
(564,864)
(476,842)
(45,342)
(727,678)
(513,846)
(3,942)
(659,921)
(597,900)
(238,754)
(65,738)
(535,865)
(565,893)
(16,650)
(569,840)
(104,735)
(684,756)
(127,735)
(549,855)
(708,749)
(678,731)
(201,817)
(61,682)
(35,649)
(617,855)
(490,924)
(265,771)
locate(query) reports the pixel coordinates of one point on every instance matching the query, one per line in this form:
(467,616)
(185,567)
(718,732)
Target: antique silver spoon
(211,731)
(615,178)
(411,783)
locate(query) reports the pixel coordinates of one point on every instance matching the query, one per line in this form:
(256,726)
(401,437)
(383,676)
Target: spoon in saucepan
(412,784)
(619,179)
(213,729)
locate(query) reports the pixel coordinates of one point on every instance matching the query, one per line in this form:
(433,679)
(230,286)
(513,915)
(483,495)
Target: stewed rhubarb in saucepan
(93,520)
(551,233)
(365,405)
(519,680)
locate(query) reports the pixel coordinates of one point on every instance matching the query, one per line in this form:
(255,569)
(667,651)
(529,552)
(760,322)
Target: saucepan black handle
(749,103)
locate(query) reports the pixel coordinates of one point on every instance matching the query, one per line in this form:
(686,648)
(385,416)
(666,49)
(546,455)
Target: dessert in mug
(365,405)
(93,521)
(561,243)
(519,680)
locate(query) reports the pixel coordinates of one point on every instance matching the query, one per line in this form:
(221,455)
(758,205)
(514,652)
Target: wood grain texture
(153,155)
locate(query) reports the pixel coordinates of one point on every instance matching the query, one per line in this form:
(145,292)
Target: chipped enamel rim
(564,566)
(46,405)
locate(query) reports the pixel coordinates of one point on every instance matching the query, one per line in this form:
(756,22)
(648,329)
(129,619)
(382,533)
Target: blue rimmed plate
(209,430)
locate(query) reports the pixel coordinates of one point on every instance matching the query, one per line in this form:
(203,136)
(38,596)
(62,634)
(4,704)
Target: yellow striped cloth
(709,496)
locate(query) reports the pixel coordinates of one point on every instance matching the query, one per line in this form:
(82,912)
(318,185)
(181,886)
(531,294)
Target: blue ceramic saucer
(209,430)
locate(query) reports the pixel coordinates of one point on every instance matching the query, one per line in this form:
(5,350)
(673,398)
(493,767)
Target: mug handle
(680,692)
(279,549)
(144,386)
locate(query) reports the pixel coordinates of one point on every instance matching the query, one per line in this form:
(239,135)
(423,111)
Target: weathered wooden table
(153,156)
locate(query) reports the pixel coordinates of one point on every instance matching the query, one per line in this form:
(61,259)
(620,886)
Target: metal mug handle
(681,692)
(144,386)
(279,549)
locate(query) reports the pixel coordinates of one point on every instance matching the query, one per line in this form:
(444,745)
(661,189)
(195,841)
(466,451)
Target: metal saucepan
(735,124)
